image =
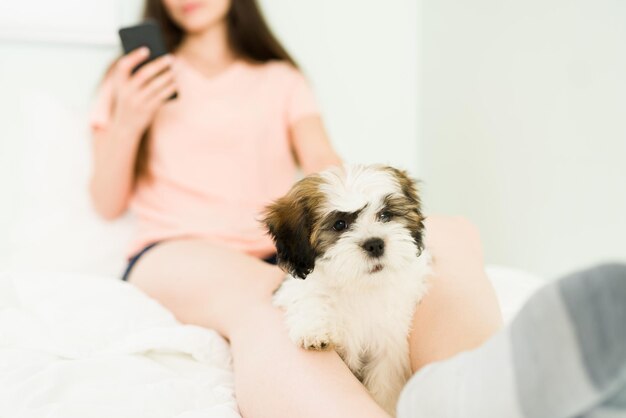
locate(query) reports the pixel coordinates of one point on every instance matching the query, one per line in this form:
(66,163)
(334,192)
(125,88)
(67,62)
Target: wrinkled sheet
(83,346)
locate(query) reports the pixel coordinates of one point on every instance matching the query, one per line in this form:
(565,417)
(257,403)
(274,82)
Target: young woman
(197,170)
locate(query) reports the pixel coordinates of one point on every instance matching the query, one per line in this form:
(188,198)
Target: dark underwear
(133,260)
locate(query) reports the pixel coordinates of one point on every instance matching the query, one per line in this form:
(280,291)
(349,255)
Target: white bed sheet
(82,346)
(86,346)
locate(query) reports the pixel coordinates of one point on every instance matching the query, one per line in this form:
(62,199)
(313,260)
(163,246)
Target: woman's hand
(138,96)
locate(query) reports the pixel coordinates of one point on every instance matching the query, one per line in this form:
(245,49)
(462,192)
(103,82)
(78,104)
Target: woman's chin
(198,26)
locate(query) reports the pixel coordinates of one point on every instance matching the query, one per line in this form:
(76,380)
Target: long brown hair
(249,37)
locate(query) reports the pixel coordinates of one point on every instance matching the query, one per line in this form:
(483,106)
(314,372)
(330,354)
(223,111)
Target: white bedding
(83,346)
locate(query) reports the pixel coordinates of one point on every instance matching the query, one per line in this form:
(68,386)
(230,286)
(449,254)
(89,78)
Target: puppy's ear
(416,219)
(289,222)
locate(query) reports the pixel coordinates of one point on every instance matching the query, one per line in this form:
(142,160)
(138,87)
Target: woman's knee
(449,233)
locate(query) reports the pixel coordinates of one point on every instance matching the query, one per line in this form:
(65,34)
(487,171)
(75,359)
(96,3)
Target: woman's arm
(311,145)
(135,99)
(114,153)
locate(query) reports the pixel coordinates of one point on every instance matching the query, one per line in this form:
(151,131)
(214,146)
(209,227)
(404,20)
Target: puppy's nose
(374,247)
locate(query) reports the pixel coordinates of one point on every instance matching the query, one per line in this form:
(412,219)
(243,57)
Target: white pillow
(513,288)
(56,228)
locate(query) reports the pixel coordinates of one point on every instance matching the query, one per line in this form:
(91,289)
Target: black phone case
(147,33)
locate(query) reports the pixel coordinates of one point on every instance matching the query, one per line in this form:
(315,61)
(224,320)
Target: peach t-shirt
(219,154)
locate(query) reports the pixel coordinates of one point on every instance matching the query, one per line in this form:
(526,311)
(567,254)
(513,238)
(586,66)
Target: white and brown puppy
(355,235)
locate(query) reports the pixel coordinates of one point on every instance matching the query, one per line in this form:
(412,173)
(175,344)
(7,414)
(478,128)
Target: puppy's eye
(340,225)
(385,216)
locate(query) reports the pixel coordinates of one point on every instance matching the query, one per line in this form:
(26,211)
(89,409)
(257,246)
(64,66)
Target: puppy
(351,241)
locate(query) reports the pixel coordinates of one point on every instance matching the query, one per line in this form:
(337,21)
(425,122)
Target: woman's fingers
(157,84)
(162,95)
(128,62)
(151,70)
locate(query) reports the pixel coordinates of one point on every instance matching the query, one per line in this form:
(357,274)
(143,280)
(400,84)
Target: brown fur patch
(409,206)
(323,236)
(291,221)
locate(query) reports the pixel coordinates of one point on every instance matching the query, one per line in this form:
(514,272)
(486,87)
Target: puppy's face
(350,223)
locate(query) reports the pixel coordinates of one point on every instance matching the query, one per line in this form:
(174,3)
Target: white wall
(47,58)
(524,104)
(361,57)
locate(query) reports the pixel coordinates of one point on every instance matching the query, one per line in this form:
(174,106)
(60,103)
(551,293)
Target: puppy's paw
(313,342)
(319,343)
(310,337)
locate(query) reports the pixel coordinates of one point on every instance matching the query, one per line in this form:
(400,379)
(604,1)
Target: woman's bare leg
(230,292)
(460,311)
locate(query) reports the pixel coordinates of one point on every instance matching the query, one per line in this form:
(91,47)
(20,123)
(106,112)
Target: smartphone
(147,33)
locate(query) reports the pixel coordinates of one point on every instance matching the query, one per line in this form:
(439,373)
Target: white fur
(364,315)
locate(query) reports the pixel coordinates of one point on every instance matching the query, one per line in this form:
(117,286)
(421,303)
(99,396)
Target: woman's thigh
(203,284)
(461,310)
